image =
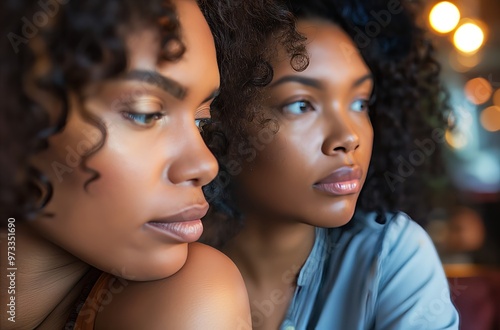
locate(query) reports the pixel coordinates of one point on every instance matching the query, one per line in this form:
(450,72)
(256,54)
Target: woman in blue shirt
(362,110)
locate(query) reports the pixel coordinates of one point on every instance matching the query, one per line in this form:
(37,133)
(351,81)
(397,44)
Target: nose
(341,137)
(194,164)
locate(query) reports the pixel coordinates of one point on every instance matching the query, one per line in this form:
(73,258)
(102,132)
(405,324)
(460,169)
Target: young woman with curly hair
(315,249)
(102,161)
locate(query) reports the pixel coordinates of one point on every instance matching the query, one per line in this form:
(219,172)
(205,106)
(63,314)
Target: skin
(165,160)
(151,167)
(323,125)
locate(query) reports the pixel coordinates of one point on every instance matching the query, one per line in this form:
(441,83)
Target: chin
(341,220)
(337,216)
(157,266)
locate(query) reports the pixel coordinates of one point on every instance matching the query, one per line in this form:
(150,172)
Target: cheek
(108,194)
(277,175)
(102,223)
(366,144)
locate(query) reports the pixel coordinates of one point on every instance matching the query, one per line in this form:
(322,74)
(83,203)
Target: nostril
(346,149)
(343,149)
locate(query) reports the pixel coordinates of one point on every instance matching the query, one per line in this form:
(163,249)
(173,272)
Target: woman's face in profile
(136,219)
(314,168)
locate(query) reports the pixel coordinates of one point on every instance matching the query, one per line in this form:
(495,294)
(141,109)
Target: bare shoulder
(204,256)
(207,293)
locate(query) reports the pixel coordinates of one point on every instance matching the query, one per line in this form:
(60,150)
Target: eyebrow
(314,82)
(361,80)
(301,80)
(155,79)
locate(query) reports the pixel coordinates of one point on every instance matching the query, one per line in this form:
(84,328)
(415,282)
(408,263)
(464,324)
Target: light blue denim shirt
(370,275)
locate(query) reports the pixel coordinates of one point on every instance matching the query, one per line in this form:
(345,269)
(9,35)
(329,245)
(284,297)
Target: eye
(298,107)
(202,117)
(200,122)
(144,112)
(360,105)
(143,119)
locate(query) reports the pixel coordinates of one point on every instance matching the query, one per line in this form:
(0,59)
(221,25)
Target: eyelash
(202,117)
(366,103)
(303,103)
(139,118)
(143,119)
(148,119)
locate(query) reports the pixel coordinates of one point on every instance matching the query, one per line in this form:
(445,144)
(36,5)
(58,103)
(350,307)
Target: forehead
(200,56)
(198,64)
(329,49)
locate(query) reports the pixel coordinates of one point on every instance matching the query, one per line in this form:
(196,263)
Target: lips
(343,181)
(184,227)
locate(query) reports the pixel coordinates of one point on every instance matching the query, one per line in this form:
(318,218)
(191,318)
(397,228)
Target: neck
(270,253)
(269,250)
(48,280)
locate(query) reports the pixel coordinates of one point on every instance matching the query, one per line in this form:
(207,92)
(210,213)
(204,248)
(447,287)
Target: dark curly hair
(243,56)
(82,42)
(60,46)
(243,52)
(409,110)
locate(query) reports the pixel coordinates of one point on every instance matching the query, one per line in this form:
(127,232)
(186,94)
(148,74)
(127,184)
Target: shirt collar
(314,264)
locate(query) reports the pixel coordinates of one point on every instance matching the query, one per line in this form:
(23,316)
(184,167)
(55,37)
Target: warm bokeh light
(490,118)
(469,61)
(456,139)
(456,65)
(478,90)
(444,17)
(496,98)
(463,62)
(468,38)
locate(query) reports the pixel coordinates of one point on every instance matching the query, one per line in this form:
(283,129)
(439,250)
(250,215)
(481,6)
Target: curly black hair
(243,56)
(59,46)
(83,41)
(409,112)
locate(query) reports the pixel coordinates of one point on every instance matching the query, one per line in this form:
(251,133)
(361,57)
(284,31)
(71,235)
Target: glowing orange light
(469,60)
(462,62)
(478,90)
(490,118)
(496,98)
(456,139)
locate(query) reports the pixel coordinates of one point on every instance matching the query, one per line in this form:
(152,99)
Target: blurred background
(467,37)
(466,228)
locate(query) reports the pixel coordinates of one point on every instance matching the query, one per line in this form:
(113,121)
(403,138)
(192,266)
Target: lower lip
(339,188)
(185,231)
